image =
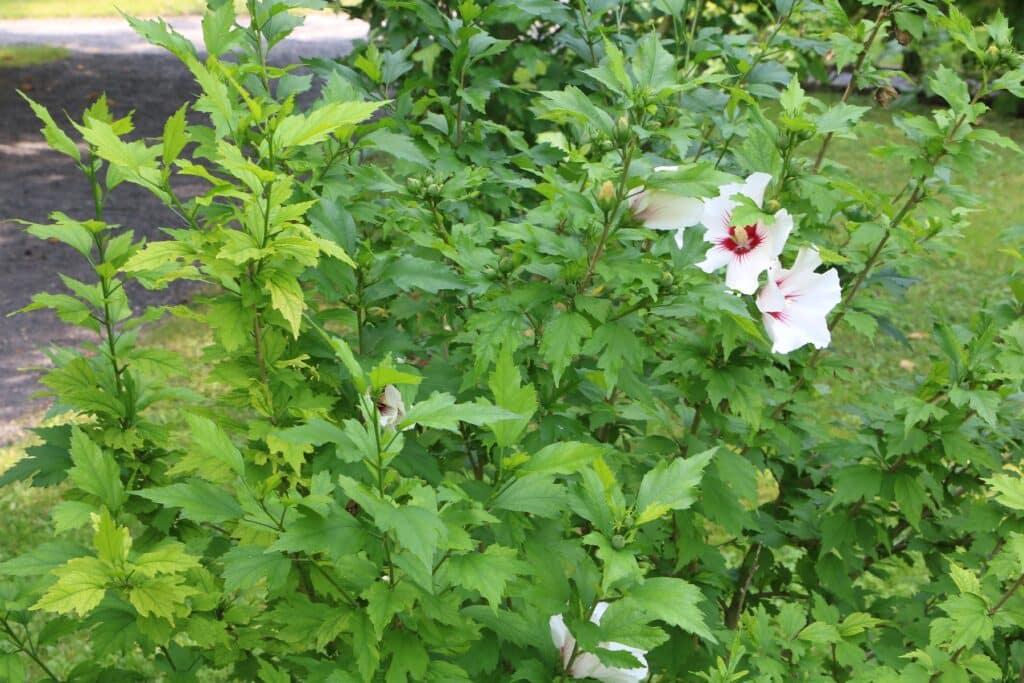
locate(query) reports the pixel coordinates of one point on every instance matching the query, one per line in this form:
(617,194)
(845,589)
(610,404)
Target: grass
(949,280)
(29,55)
(38,9)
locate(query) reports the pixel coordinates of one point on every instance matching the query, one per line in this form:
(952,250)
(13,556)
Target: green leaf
(533,493)
(674,601)
(160,596)
(396,144)
(1008,490)
(793,99)
(211,441)
(95,471)
(968,622)
(910,497)
(653,66)
(948,85)
(218,29)
(487,573)
(198,500)
(76,234)
(412,273)
(440,411)
(572,104)
(41,559)
(81,585)
(562,458)
(112,542)
(175,137)
(509,394)
(308,129)
(170,557)
(11,668)
(286,297)
(417,529)
(245,566)
(562,341)
(671,485)
(54,134)
(384,374)
(336,535)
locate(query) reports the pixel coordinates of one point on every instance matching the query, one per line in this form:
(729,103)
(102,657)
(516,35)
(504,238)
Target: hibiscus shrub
(517,362)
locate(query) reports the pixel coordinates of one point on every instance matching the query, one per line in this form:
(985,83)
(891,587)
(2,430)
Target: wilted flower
(587,665)
(659,210)
(390,407)
(745,250)
(796,302)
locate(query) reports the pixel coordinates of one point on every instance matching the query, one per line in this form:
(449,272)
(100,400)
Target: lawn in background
(37,9)
(29,55)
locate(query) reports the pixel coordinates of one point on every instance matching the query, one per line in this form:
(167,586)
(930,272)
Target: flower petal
(756,185)
(780,230)
(562,639)
(716,218)
(666,211)
(715,258)
(771,299)
(743,272)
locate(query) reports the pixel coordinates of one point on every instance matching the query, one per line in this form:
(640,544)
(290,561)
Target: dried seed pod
(885,95)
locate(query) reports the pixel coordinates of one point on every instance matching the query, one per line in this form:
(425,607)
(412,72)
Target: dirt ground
(34,181)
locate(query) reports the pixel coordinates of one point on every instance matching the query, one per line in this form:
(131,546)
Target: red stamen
(742,239)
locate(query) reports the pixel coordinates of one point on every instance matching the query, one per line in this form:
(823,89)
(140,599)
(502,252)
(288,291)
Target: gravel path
(105,56)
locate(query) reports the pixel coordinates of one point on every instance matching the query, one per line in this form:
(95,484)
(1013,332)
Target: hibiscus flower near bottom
(587,665)
(796,303)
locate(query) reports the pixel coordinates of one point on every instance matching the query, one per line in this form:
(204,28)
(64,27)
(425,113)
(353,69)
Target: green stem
(27,647)
(611,217)
(883,12)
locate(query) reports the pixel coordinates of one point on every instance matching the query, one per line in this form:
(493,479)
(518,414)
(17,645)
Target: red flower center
(742,239)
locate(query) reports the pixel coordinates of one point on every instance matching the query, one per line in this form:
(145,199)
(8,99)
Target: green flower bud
(618,541)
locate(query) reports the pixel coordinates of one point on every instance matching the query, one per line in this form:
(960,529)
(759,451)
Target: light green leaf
(170,557)
(112,542)
(670,486)
(308,129)
(286,297)
(506,385)
(54,134)
(95,471)
(568,457)
(81,585)
(211,441)
(1008,489)
(440,411)
(160,596)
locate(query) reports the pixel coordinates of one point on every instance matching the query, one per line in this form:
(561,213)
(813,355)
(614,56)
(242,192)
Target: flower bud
(606,197)
(506,265)
(414,185)
(622,132)
(618,541)
(630,520)
(773,205)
